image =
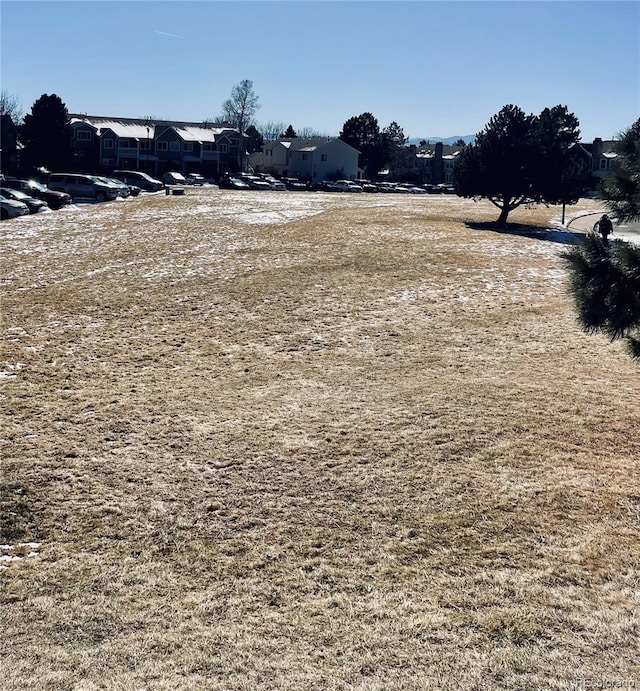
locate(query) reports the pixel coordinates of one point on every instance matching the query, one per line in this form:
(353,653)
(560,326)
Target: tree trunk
(504,212)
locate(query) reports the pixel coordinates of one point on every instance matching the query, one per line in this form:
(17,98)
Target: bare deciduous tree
(10,105)
(240,109)
(272,130)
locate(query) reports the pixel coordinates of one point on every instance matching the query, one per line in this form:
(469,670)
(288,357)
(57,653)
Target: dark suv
(137,177)
(55,200)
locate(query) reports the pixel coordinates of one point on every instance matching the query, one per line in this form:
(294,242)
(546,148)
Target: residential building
(600,157)
(155,146)
(435,163)
(313,160)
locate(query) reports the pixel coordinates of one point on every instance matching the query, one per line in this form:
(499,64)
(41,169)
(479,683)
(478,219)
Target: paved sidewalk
(584,224)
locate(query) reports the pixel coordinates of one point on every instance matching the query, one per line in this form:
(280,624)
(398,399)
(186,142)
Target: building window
(207,147)
(107,163)
(187,146)
(323,157)
(162,146)
(145,145)
(83,135)
(603,163)
(108,143)
(304,157)
(174,146)
(223,148)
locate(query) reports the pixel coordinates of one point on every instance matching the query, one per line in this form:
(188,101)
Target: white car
(348,186)
(12,209)
(255,182)
(123,190)
(195,179)
(174,179)
(412,189)
(275,183)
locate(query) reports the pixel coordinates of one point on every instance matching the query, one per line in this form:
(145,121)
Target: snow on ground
(145,237)
(15,553)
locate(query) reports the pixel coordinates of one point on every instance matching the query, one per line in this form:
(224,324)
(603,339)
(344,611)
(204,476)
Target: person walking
(604,227)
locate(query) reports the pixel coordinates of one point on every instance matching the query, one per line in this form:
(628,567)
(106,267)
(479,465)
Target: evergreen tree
(605,283)
(395,146)
(254,139)
(519,159)
(560,176)
(621,188)
(362,132)
(46,135)
(8,144)
(495,166)
(289,133)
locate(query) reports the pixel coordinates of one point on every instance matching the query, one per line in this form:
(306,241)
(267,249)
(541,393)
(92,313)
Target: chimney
(438,165)
(596,154)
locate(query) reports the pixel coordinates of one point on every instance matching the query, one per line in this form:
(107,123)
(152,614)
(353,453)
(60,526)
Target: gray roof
(136,128)
(301,144)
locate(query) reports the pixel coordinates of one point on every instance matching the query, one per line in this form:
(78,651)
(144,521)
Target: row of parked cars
(22,197)
(256,181)
(388,187)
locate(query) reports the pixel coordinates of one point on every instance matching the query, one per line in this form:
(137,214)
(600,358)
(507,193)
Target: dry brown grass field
(310,441)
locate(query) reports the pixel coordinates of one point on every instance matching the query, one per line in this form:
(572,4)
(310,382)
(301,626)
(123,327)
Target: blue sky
(437,68)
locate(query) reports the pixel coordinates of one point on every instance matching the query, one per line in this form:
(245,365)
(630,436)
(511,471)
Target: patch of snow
(18,552)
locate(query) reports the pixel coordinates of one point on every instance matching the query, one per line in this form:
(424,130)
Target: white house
(314,159)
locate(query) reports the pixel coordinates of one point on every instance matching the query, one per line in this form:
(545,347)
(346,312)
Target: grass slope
(310,441)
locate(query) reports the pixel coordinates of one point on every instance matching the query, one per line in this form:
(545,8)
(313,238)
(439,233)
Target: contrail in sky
(164,33)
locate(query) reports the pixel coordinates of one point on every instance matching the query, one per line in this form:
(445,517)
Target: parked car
(195,179)
(254,182)
(327,186)
(53,199)
(348,186)
(412,189)
(231,183)
(137,177)
(83,186)
(274,183)
(9,208)
(174,179)
(123,189)
(32,203)
(294,184)
(134,190)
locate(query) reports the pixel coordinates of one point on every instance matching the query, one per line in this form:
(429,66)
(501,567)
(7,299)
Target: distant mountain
(445,140)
